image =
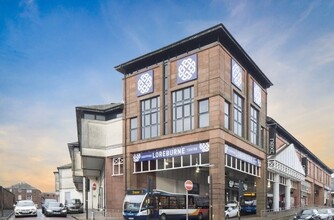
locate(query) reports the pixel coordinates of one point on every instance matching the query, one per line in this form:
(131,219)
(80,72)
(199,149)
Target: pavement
(99,216)
(6,214)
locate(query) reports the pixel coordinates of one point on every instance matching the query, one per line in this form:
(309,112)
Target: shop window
(153,164)
(177,161)
(195,159)
(205,158)
(161,164)
(145,166)
(203,113)
(186,160)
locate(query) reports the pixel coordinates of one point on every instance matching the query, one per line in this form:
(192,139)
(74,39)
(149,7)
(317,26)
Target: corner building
(196,110)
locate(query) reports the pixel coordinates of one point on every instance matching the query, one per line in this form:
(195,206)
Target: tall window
(183,109)
(227,115)
(203,113)
(150,118)
(254,126)
(238,115)
(133,129)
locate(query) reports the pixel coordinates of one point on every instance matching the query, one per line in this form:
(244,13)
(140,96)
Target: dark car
(309,214)
(55,209)
(45,203)
(74,206)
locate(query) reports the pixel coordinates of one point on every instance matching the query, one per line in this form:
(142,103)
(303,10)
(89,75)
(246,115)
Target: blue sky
(56,55)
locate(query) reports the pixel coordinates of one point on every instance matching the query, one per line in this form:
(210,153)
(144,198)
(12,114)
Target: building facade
(196,110)
(97,157)
(296,177)
(65,187)
(24,191)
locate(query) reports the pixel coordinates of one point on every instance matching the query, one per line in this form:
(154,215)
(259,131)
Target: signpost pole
(188,185)
(187,203)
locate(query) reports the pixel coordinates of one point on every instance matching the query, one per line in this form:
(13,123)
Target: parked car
(231,212)
(74,206)
(325,214)
(231,203)
(25,208)
(45,203)
(309,214)
(55,209)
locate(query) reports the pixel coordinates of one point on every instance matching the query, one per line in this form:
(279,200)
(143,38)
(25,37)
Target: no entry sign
(188,185)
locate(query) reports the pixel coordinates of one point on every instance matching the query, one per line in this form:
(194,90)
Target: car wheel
(163,217)
(200,216)
(227,217)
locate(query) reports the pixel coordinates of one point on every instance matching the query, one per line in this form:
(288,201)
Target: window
(203,113)
(150,118)
(28,197)
(117,166)
(227,115)
(133,129)
(183,110)
(254,126)
(238,115)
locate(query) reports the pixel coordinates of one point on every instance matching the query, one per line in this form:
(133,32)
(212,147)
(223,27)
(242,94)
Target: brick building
(24,191)
(197,109)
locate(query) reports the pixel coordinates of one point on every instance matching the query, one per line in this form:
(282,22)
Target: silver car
(25,208)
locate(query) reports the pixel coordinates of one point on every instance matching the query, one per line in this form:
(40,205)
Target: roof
(23,185)
(103,108)
(298,145)
(289,163)
(216,33)
(66,166)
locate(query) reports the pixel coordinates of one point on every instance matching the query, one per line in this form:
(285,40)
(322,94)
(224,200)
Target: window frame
(238,115)
(254,125)
(183,110)
(203,114)
(148,114)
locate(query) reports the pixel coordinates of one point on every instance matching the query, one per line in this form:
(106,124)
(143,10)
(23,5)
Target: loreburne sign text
(172,152)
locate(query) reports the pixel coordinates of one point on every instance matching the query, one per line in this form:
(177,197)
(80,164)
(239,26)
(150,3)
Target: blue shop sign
(172,152)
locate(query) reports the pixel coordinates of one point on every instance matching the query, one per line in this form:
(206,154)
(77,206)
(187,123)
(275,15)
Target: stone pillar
(261,189)
(288,194)
(297,195)
(217,173)
(276,193)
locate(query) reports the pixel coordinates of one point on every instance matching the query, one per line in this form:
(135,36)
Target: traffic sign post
(188,185)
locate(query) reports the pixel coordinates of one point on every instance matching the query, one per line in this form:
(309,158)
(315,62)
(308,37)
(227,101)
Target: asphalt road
(40,215)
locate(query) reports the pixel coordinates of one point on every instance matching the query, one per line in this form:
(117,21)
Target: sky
(60,54)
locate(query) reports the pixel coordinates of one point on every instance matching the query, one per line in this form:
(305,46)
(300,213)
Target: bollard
(93,216)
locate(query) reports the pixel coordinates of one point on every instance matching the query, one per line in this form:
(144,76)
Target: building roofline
(217,33)
(298,144)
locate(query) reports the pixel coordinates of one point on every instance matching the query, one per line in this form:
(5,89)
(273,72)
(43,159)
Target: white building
(65,187)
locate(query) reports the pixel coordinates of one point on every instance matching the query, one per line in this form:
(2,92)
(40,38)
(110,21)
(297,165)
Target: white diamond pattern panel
(187,69)
(145,83)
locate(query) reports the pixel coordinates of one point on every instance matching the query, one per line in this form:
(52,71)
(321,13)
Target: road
(40,215)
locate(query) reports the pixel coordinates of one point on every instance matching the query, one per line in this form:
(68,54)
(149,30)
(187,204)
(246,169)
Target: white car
(25,208)
(231,212)
(325,214)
